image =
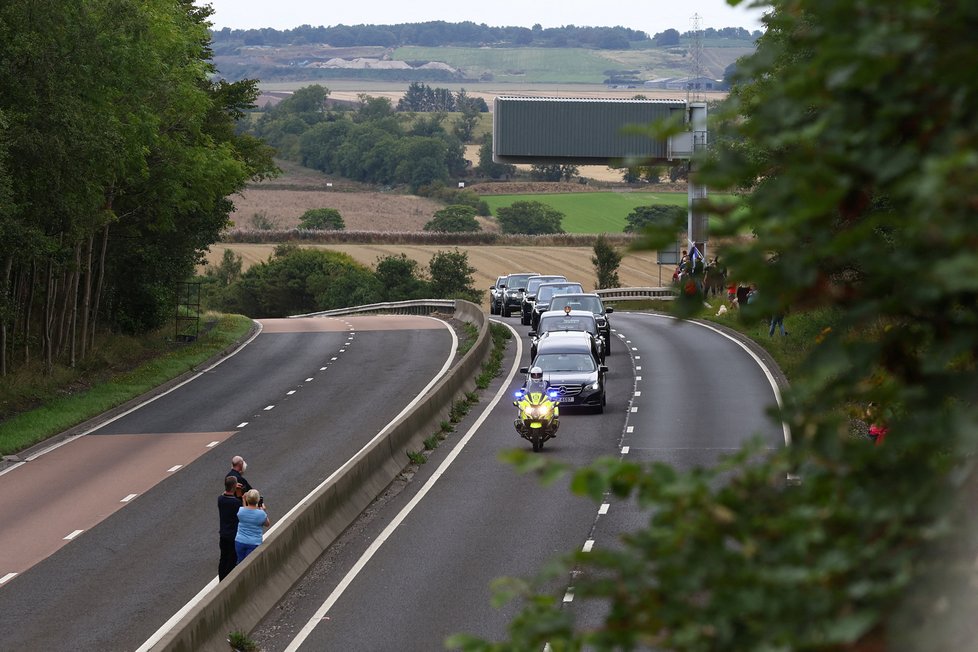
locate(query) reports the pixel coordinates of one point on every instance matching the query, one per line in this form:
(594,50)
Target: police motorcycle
(538,415)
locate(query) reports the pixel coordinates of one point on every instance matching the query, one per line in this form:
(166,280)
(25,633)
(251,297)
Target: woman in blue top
(251,520)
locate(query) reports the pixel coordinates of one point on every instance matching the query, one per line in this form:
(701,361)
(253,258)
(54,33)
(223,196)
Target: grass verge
(59,410)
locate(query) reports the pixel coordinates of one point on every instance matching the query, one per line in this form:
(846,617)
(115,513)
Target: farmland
(637,268)
(593,212)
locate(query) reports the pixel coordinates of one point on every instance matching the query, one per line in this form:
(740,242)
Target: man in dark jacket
(228,505)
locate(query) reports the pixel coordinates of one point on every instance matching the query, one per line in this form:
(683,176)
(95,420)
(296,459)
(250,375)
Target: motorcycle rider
(535,383)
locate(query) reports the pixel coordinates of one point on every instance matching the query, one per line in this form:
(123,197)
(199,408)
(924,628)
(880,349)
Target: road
(107,536)
(418,568)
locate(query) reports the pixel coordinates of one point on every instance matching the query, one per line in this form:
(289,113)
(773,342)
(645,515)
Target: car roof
(579,295)
(573,313)
(565,342)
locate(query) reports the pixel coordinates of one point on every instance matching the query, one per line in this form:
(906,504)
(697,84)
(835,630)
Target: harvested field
(361,211)
(638,269)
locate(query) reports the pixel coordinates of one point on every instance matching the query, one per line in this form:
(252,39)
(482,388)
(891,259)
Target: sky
(651,16)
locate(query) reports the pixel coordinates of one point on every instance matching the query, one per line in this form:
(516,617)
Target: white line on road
(6,578)
(389,530)
(290,392)
(569,596)
(174,468)
(322,368)
(128,498)
(634,348)
(625,449)
(630,429)
(604,508)
(73,535)
(634,408)
(308,380)
(269,407)
(638,368)
(588,545)
(638,393)
(242,424)
(332,359)
(638,357)
(342,350)
(212,444)
(638,378)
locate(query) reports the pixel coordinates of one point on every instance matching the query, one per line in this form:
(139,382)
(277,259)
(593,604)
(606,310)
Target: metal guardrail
(637,294)
(413,307)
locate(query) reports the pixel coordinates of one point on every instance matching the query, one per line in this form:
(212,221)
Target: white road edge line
(6,578)
(73,535)
(174,468)
(389,530)
(175,618)
(128,498)
(146,402)
(213,444)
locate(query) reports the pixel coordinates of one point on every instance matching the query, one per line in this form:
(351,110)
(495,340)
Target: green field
(593,212)
(570,65)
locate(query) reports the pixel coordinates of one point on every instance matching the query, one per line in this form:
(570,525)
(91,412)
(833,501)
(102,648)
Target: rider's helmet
(536,373)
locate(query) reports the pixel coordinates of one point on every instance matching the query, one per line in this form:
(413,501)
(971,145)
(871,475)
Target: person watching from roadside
(251,521)
(238,467)
(228,505)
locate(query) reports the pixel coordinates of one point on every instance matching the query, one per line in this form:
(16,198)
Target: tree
(451,276)
(606,260)
(400,279)
(666,38)
(454,219)
(322,219)
(662,217)
(489,168)
(530,217)
(858,207)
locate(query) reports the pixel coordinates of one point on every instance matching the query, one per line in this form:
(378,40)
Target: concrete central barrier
(256,585)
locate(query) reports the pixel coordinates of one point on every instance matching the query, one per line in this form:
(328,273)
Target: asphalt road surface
(108,535)
(419,565)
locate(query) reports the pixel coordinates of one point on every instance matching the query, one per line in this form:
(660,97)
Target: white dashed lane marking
(270,407)
(569,596)
(128,498)
(630,429)
(174,468)
(635,408)
(6,578)
(73,535)
(242,424)
(308,380)
(290,392)
(213,444)
(604,508)
(588,545)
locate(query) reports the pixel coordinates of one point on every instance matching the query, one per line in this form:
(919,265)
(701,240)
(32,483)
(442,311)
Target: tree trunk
(31,293)
(101,280)
(87,301)
(8,298)
(47,348)
(72,294)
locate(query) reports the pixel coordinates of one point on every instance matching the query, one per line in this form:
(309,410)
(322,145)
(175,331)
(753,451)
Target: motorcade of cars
(591,302)
(572,370)
(495,294)
(513,295)
(546,292)
(530,296)
(556,321)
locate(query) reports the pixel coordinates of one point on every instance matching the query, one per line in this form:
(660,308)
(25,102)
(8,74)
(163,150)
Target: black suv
(496,294)
(513,296)
(593,303)
(530,296)
(546,292)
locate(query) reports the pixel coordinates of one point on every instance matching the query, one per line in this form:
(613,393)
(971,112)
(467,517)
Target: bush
(454,219)
(531,217)
(322,218)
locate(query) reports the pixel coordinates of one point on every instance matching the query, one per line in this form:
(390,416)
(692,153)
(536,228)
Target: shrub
(322,218)
(531,217)
(454,219)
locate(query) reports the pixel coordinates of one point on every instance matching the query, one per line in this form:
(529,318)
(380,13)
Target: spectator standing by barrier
(238,467)
(251,522)
(228,505)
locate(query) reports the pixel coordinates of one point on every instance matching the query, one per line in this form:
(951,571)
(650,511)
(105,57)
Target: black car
(513,296)
(548,291)
(577,321)
(592,303)
(496,294)
(572,370)
(530,296)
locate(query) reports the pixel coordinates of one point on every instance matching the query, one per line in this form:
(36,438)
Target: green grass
(593,212)
(60,410)
(526,65)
